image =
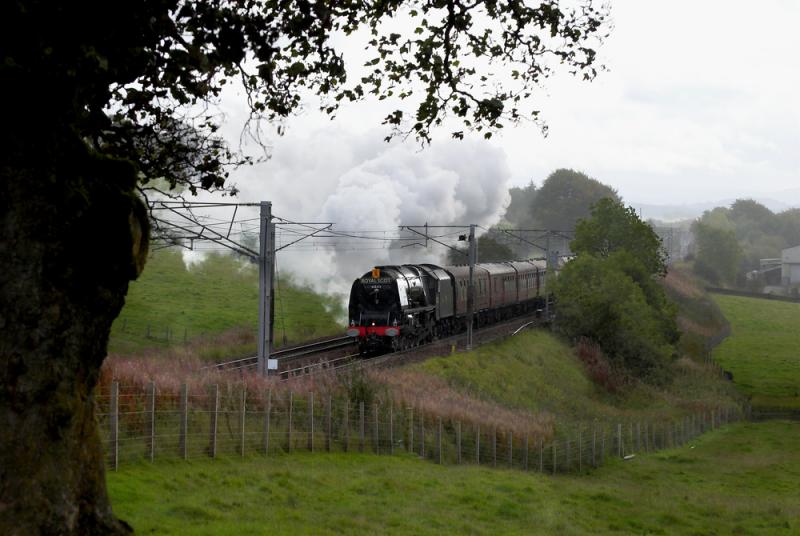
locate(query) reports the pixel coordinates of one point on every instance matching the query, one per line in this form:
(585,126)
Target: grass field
(741,479)
(763,351)
(216,295)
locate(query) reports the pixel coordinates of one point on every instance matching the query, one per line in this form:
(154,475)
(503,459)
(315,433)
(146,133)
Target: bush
(598,367)
(596,299)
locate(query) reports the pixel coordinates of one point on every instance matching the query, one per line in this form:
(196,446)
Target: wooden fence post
(391,428)
(594,444)
(580,450)
(183,434)
(114,423)
(422,435)
(311,422)
(214,417)
(478,445)
(554,457)
(494,446)
(361,426)
(267,412)
(458,442)
(603,446)
(346,445)
(242,419)
(566,456)
(619,439)
(638,436)
(654,443)
(439,441)
(525,455)
(289,424)
(410,431)
(376,439)
(328,425)
(151,413)
(541,455)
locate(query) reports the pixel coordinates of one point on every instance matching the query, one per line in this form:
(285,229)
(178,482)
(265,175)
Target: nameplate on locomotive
(376,280)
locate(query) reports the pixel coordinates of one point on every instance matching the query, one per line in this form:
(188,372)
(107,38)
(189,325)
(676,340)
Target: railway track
(316,357)
(286,356)
(507,328)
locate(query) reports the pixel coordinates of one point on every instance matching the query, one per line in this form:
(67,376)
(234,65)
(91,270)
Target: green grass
(537,371)
(212,297)
(741,479)
(763,351)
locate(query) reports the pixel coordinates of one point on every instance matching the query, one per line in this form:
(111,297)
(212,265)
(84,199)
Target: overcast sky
(700,103)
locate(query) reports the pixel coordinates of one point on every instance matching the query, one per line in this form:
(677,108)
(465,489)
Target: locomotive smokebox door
(376,273)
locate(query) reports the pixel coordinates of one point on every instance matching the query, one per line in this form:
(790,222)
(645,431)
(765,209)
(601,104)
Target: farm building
(790,266)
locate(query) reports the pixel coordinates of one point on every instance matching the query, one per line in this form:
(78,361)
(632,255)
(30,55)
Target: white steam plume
(360,183)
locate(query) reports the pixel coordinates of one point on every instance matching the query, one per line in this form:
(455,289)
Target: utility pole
(473,253)
(547,278)
(266,256)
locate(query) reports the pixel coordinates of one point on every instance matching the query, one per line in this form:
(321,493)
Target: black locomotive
(398,307)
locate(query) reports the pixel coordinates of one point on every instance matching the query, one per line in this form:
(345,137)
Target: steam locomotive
(398,307)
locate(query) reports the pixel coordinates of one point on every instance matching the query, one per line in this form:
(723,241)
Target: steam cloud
(359,183)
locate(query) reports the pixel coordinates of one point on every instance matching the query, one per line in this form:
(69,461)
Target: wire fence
(144,424)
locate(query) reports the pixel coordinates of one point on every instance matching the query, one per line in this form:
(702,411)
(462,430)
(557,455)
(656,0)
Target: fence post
(376,440)
(183,434)
(619,439)
(267,412)
(494,446)
(638,436)
(328,426)
(422,435)
(646,439)
(510,449)
(655,438)
(525,455)
(594,444)
(151,410)
(580,450)
(361,426)
(478,445)
(554,457)
(346,445)
(603,446)
(242,418)
(114,422)
(566,456)
(541,455)
(410,431)
(458,442)
(311,422)
(391,428)
(214,417)
(439,441)
(289,426)
(713,420)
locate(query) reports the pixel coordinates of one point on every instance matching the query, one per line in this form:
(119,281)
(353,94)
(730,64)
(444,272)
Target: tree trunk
(71,237)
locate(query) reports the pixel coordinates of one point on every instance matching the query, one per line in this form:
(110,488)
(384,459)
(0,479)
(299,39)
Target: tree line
(730,241)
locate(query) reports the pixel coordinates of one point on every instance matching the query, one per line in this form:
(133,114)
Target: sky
(699,104)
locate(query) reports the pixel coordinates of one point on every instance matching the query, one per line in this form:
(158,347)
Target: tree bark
(71,237)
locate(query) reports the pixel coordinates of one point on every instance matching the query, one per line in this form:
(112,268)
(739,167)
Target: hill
(171,304)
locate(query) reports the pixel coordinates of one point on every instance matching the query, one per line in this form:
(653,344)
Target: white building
(790,266)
